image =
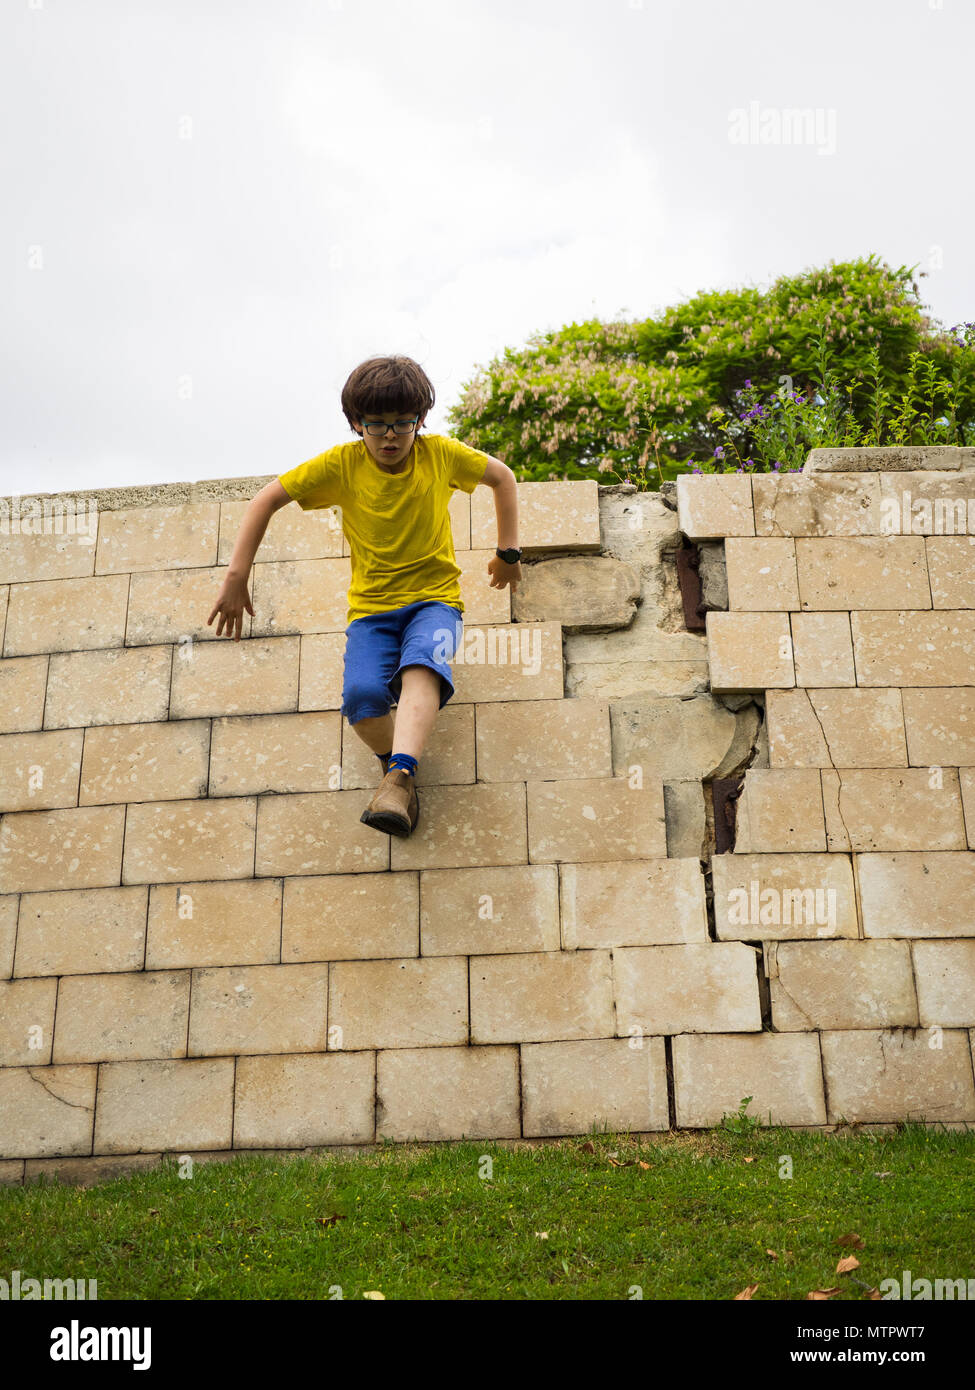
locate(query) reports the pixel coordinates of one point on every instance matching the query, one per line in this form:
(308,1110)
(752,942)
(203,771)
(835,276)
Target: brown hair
(386,384)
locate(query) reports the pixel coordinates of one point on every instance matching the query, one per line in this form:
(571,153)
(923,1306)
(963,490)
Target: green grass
(420,1222)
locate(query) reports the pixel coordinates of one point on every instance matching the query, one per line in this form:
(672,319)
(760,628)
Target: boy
(404,607)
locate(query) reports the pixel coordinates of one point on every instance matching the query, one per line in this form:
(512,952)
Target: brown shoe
(395,807)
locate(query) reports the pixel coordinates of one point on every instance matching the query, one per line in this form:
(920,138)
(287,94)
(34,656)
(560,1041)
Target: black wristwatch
(510,557)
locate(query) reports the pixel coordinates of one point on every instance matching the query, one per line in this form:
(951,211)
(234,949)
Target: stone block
(23,680)
(164,761)
(157,538)
(93,930)
(435,1093)
(8,935)
(686,739)
(521,661)
(318,833)
(305,1100)
(596,820)
(945,974)
(888,459)
(293,596)
(841,984)
(940,726)
(46,1110)
(917,894)
(543,740)
(122,1017)
(966,778)
(173,605)
(697,988)
(781,1072)
(489,911)
(541,996)
(29,555)
(466,828)
(258,1008)
(714,504)
(749,651)
(482,603)
(951,564)
(862,572)
(88,1172)
(823,649)
(225,922)
(39,771)
(858,728)
(291,534)
(896,809)
(322,669)
(247,677)
(125,686)
(551,516)
(79,847)
(351,917)
(66,615)
(761,574)
(257,753)
(173,841)
(164,1105)
(584,593)
(768,897)
(888,1075)
(938,503)
(780,810)
(914,648)
(653,902)
(837,504)
(605,1084)
(398,1003)
(27,1022)
(686,817)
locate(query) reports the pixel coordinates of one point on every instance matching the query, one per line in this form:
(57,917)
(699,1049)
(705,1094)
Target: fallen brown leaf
(852,1239)
(847,1263)
(587,1148)
(820,1294)
(746,1292)
(772,1253)
(643,1165)
(749,1160)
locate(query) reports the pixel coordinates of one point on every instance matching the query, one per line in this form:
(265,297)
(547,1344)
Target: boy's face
(390,450)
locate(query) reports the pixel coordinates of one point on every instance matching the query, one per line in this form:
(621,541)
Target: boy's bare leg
(416,712)
(376,733)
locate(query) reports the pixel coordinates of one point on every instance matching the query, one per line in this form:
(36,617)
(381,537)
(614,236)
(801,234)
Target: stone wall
(203,951)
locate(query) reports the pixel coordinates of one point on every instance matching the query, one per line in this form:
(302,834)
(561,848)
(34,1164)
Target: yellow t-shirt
(397,524)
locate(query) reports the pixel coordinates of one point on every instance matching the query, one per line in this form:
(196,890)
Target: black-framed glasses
(376,427)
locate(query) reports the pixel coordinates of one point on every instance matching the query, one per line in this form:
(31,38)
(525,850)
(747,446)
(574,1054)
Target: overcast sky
(212,210)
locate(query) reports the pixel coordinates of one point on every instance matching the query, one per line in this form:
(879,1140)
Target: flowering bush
(775,433)
(643,399)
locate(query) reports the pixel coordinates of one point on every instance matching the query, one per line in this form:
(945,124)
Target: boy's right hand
(231,602)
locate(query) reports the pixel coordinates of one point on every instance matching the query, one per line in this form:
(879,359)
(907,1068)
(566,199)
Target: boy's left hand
(503,574)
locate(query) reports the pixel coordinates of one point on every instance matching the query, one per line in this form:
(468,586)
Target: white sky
(436,177)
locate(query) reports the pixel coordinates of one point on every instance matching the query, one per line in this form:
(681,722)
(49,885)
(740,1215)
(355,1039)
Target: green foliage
(634,400)
(740,1123)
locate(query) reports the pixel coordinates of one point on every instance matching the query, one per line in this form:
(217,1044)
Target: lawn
(688,1215)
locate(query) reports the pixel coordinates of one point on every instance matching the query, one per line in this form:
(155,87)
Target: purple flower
(748,382)
(719,452)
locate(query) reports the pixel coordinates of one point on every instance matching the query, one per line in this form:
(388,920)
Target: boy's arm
(498,475)
(233,597)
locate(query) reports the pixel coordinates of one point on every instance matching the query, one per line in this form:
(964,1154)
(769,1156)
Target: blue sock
(402,762)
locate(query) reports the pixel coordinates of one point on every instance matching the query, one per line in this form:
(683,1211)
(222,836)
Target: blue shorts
(379,645)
